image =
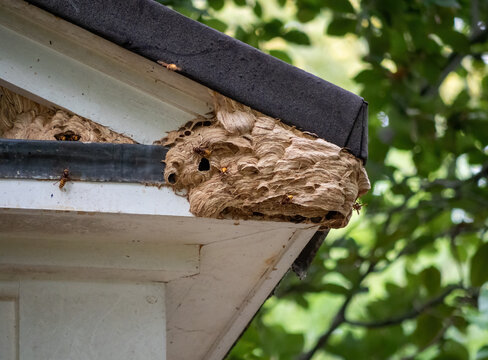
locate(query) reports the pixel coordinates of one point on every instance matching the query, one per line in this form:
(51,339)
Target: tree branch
(453,61)
(339,318)
(475,17)
(409,314)
(456,184)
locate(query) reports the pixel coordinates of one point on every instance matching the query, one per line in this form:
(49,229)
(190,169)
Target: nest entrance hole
(204,164)
(172,178)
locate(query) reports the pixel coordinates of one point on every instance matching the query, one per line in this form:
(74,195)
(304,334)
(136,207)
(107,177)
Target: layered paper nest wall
(237,163)
(243,164)
(22,118)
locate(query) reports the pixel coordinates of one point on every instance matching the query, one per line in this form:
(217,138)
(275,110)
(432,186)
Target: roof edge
(226,65)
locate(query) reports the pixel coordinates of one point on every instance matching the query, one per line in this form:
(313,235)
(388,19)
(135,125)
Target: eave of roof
(226,65)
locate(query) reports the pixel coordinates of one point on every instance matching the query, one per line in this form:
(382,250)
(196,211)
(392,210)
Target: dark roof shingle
(226,65)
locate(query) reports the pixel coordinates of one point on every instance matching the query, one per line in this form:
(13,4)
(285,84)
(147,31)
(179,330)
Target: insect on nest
(202,151)
(358,206)
(67,136)
(63,179)
(286,199)
(172,67)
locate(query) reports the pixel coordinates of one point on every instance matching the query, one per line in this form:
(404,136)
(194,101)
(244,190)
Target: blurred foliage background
(408,278)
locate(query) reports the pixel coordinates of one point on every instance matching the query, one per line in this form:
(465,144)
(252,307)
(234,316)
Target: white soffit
(92,77)
(217,272)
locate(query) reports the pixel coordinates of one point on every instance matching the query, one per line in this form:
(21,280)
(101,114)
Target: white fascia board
(96,197)
(114,211)
(207,313)
(74,69)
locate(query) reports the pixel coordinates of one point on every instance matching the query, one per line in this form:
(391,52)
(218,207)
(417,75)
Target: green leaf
(284,345)
(452,350)
(483,300)
(431,278)
(272,29)
(258,10)
(428,326)
(460,323)
(342,6)
(457,41)
(478,273)
(399,47)
(370,76)
(417,244)
(216,24)
(340,26)
(216,4)
(241,34)
(247,344)
(484,83)
(302,301)
(240,2)
(375,344)
(282,55)
(347,243)
(305,15)
(446,3)
(335,289)
(482,353)
(297,37)
(247,37)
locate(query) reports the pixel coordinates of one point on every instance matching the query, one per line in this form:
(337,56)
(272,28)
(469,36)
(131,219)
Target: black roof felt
(226,65)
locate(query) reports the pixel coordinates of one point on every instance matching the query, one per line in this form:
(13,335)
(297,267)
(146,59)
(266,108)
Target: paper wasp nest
(243,164)
(21,118)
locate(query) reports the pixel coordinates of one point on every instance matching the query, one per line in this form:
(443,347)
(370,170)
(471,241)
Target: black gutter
(226,65)
(46,160)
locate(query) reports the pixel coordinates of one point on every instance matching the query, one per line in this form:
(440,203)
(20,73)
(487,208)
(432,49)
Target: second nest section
(243,164)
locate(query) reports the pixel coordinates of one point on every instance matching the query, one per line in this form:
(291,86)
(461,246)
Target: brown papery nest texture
(22,118)
(243,164)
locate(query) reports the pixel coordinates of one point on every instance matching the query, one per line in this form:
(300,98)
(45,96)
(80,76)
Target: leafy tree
(409,279)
